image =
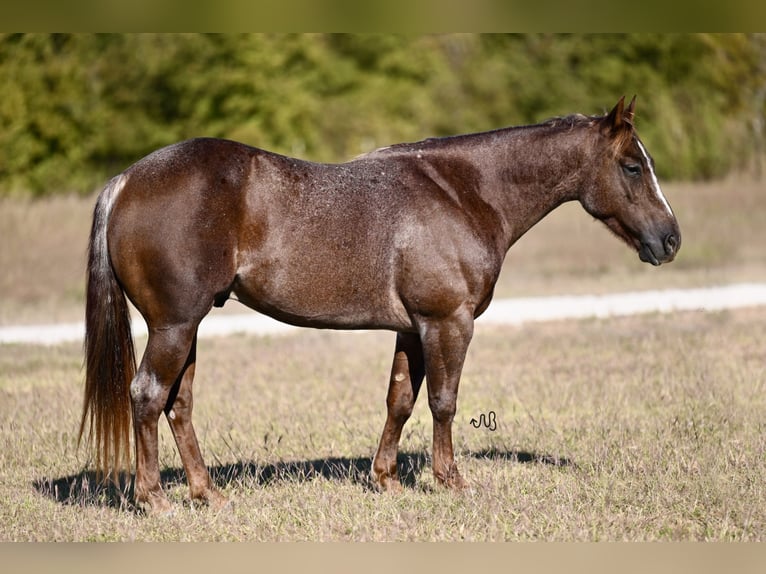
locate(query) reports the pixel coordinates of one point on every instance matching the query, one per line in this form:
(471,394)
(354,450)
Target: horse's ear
(630,112)
(620,118)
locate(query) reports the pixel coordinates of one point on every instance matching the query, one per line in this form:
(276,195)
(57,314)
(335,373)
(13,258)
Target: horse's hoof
(155,506)
(453,481)
(218,502)
(386,483)
(211,499)
(391,486)
(459,485)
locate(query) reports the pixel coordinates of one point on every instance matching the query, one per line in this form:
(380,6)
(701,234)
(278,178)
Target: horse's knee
(400,407)
(443,409)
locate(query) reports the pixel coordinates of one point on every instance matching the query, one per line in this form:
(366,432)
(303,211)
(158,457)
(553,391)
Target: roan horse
(409,238)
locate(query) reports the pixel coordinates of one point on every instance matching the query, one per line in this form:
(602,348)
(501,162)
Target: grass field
(643,428)
(637,428)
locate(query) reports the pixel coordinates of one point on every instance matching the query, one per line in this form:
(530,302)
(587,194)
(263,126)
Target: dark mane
(562,123)
(568,122)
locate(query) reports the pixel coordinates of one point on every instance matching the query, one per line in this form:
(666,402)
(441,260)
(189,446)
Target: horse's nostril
(671,243)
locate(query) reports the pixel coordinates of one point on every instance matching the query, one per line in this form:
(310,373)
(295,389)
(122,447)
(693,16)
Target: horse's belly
(322,300)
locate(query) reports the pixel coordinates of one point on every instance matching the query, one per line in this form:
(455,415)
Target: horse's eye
(631,169)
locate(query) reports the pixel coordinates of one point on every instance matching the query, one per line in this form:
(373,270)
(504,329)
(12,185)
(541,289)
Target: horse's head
(624,192)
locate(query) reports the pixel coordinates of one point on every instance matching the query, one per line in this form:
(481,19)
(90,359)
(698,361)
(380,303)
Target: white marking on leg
(655,183)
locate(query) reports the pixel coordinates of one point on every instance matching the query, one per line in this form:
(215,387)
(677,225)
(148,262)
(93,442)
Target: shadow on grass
(87,489)
(522,457)
(354,470)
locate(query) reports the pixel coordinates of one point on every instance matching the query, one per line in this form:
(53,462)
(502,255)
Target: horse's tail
(110,362)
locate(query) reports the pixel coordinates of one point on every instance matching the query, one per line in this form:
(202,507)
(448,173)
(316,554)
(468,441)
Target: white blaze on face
(655,183)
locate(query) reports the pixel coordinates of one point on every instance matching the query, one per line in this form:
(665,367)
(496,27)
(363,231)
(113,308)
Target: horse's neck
(530,172)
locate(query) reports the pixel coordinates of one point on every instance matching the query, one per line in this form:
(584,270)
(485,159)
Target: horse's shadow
(88,489)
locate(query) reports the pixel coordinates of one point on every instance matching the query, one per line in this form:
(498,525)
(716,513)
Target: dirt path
(501,311)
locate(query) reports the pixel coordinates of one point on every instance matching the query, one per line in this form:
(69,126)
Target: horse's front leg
(445,343)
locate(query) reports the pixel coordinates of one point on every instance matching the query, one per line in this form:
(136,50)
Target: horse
(408,238)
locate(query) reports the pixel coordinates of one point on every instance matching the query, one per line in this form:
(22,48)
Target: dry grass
(644,428)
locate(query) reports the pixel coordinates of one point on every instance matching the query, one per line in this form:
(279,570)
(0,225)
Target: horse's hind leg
(178,411)
(407,374)
(164,363)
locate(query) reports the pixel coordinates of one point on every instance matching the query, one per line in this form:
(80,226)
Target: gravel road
(502,311)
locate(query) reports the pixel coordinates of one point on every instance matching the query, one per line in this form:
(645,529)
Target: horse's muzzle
(658,252)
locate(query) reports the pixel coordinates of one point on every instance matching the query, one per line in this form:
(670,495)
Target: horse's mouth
(646,252)
(646,255)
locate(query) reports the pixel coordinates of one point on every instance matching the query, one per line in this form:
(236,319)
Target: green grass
(643,428)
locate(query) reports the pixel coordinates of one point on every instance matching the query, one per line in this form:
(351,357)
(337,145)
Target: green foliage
(79,107)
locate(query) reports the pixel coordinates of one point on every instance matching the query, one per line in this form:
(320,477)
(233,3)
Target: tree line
(76,108)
